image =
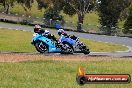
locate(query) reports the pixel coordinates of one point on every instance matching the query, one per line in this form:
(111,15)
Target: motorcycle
(74,44)
(45,45)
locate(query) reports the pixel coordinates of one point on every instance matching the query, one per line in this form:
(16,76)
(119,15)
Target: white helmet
(46,32)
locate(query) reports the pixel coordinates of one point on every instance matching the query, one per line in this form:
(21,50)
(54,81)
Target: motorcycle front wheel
(84,49)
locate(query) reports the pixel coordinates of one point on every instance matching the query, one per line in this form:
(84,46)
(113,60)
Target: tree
(1,1)
(42,4)
(7,4)
(52,11)
(124,14)
(71,7)
(52,17)
(26,4)
(79,7)
(128,22)
(109,13)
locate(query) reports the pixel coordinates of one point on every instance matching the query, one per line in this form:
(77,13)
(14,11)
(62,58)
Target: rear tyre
(41,47)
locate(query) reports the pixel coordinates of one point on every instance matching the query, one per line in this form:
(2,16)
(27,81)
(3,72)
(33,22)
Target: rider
(50,36)
(37,29)
(62,34)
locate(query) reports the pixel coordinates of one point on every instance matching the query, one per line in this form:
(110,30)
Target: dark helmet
(37,28)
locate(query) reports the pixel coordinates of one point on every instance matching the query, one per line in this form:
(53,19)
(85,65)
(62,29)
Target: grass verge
(60,73)
(103,47)
(20,41)
(15,41)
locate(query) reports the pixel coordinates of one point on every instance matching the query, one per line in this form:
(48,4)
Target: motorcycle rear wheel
(67,49)
(41,47)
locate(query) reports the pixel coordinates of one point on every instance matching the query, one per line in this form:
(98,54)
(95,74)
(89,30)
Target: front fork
(82,46)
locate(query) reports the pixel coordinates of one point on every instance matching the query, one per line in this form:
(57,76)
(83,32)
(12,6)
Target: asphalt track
(109,39)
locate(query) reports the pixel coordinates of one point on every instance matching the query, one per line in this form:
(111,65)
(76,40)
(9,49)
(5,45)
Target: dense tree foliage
(128,22)
(42,4)
(52,11)
(79,7)
(109,13)
(7,4)
(52,17)
(26,4)
(71,7)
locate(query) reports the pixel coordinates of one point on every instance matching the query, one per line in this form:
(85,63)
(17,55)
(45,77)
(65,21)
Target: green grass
(103,47)
(59,74)
(15,41)
(90,21)
(19,41)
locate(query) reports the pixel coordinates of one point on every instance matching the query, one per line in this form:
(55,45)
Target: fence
(20,18)
(23,19)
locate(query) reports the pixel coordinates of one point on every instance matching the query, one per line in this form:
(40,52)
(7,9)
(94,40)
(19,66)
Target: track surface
(20,57)
(110,39)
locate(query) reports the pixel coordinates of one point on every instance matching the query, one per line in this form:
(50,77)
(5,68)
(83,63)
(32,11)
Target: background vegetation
(19,41)
(128,22)
(90,21)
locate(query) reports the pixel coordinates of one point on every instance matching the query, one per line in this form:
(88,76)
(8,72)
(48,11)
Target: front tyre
(84,49)
(41,47)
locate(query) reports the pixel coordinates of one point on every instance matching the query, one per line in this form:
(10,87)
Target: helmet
(61,31)
(37,28)
(46,32)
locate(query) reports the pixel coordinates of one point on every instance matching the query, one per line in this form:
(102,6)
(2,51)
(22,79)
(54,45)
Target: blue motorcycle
(74,45)
(45,45)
